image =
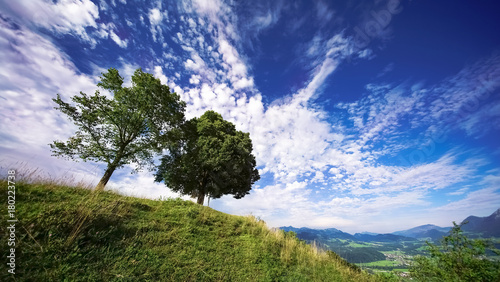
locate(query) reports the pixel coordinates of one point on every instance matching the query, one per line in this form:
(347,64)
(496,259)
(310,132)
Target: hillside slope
(73,234)
(489,226)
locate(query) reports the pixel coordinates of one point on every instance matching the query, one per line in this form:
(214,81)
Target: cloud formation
(62,17)
(324,164)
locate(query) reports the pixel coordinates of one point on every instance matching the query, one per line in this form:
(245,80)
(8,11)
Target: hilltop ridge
(78,235)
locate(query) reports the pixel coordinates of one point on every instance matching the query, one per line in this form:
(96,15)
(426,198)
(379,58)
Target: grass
(357,245)
(381,263)
(73,234)
(401,269)
(391,252)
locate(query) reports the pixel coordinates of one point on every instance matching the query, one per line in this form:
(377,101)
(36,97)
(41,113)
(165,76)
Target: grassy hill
(73,234)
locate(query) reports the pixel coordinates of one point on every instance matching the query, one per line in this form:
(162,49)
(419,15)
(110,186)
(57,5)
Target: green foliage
(458,258)
(130,127)
(71,234)
(213,159)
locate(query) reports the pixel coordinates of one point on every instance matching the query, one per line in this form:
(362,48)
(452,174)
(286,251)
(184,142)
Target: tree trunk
(201,197)
(111,168)
(105,178)
(201,192)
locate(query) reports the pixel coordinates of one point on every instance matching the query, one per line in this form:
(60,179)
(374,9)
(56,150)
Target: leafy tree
(213,159)
(132,126)
(457,259)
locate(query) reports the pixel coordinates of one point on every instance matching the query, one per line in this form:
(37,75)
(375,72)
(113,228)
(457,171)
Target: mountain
(489,226)
(381,237)
(424,231)
(309,234)
(367,233)
(486,226)
(319,235)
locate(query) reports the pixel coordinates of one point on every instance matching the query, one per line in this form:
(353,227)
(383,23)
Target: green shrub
(458,258)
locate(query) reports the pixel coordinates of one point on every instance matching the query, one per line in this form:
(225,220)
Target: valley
(378,256)
(394,251)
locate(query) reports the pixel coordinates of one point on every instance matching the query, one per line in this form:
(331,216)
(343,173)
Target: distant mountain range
(425,231)
(381,237)
(489,226)
(484,226)
(309,234)
(319,235)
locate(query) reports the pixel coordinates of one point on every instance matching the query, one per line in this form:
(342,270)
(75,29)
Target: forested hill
(73,234)
(488,226)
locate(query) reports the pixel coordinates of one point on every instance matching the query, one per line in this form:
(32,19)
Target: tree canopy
(212,159)
(132,126)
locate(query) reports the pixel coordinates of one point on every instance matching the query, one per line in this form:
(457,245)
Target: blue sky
(364,115)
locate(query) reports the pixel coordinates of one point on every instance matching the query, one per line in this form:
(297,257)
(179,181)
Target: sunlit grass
(68,232)
(381,263)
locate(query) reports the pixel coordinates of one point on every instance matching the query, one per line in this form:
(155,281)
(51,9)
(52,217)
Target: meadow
(75,234)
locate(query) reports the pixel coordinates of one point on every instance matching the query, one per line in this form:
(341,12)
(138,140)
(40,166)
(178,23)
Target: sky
(364,115)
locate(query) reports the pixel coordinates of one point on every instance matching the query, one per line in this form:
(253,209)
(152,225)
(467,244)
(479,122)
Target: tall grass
(30,175)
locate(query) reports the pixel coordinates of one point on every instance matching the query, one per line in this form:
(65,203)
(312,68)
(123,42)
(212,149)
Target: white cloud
(263,17)
(118,40)
(68,16)
(208,8)
(195,64)
(296,142)
(158,73)
(264,20)
(328,55)
(481,201)
(466,100)
(141,185)
(234,65)
(366,54)
(272,202)
(243,83)
(195,79)
(156,17)
(29,120)
(458,192)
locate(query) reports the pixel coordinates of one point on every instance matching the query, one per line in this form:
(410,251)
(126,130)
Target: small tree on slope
(457,259)
(131,127)
(213,159)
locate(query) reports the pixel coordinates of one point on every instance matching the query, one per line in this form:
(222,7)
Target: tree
(457,259)
(213,159)
(132,126)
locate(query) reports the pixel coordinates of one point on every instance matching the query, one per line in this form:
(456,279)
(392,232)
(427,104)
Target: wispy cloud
(63,17)
(155,18)
(118,40)
(320,168)
(33,71)
(295,141)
